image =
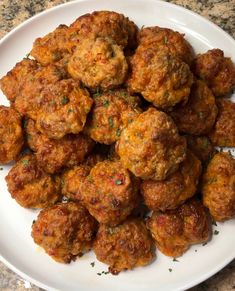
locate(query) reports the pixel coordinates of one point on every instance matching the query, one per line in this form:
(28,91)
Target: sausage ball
(201,147)
(198,116)
(112,111)
(109,192)
(218,187)
(125,246)
(223,133)
(108,24)
(11,134)
(65,231)
(30,98)
(175,230)
(150,147)
(177,188)
(53,154)
(160,77)
(30,186)
(168,40)
(64,109)
(98,63)
(12,83)
(56,45)
(216,70)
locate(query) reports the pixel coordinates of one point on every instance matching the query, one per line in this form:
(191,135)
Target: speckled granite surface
(221,12)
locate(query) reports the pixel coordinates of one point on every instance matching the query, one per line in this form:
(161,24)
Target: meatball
(198,116)
(30,97)
(53,154)
(177,188)
(12,84)
(11,134)
(64,109)
(168,40)
(223,133)
(150,147)
(98,63)
(125,246)
(109,192)
(112,111)
(65,231)
(175,230)
(30,186)
(108,24)
(160,77)
(216,70)
(56,45)
(218,187)
(201,147)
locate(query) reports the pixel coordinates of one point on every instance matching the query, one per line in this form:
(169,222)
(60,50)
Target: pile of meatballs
(114,133)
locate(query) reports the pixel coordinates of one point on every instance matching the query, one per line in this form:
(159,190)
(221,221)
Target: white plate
(17,249)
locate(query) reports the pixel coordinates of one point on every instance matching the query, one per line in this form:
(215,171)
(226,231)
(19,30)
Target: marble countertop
(221,12)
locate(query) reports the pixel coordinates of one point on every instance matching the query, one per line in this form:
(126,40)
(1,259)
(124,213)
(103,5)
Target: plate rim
(197,280)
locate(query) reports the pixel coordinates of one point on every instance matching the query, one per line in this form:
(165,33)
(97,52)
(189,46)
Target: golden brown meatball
(218,187)
(198,116)
(56,45)
(223,133)
(98,63)
(112,111)
(160,77)
(109,192)
(216,70)
(168,40)
(150,147)
(125,246)
(177,188)
(11,134)
(201,147)
(64,109)
(30,97)
(108,24)
(52,154)
(65,231)
(30,186)
(12,83)
(175,230)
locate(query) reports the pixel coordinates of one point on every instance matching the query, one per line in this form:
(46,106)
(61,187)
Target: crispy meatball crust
(108,24)
(109,192)
(223,133)
(52,154)
(112,111)
(30,186)
(168,40)
(198,116)
(12,83)
(151,147)
(11,134)
(201,147)
(160,77)
(65,231)
(175,230)
(216,70)
(125,246)
(98,63)
(64,109)
(218,187)
(176,189)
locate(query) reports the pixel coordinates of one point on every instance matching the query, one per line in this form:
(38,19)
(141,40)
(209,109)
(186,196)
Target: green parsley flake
(106,103)
(27,55)
(118,182)
(110,121)
(64,100)
(118,132)
(25,162)
(165,40)
(216,232)
(1,169)
(92,264)
(204,244)
(175,260)
(170,270)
